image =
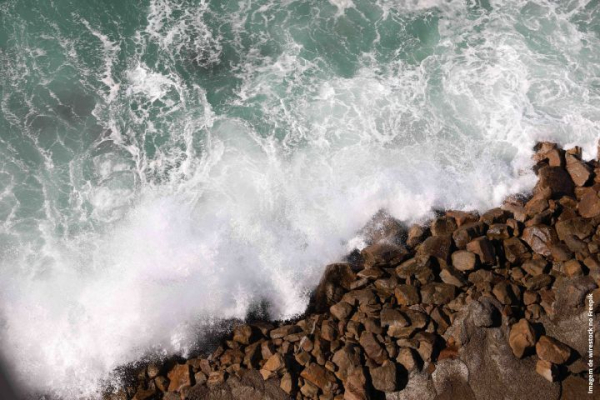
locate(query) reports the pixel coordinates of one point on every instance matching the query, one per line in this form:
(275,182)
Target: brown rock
(245,334)
(346,359)
(589,203)
(355,387)
(515,251)
(550,349)
(341,310)
(406,295)
(540,238)
(484,249)
(498,232)
(437,293)
(463,217)
(392,317)
(464,260)
(452,277)
(538,282)
(443,226)
(408,358)
(148,393)
(309,390)
(319,376)
(507,293)
(536,205)
(547,370)
(437,247)
(467,233)
(578,227)
(335,282)
(383,254)
(530,297)
(579,171)
(521,338)
(274,363)
(572,268)
(215,378)
(417,267)
(372,347)
(287,384)
(554,182)
(495,215)
(384,377)
(535,267)
(179,377)
(416,235)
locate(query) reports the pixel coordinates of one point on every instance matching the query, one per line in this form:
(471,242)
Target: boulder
(507,293)
(579,171)
(443,226)
(373,349)
(521,338)
(554,182)
(452,277)
(384,377)
(464,260)
(541,239)
(437,293)
(547,370)
(355,387)
(550,349)
(346,359)
(406,295)
(437,247)
(484,249)
(319,376)
(416,235)
(383,254)
(341,310)
(179,377)
(589,203)
(515,251)
(467,233)
(535,267)
(336,280)
(580,228)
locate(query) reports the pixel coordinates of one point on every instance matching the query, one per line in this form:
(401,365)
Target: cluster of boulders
(410,306)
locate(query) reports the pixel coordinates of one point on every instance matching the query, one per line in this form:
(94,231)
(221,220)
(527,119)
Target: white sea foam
(223,215)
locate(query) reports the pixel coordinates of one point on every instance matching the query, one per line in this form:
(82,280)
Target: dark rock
(452,277)
(578,227)
(498,232)
(507,293)
(437,247)
(355,387)
(484,249)
(372,347)
(341,310)
(406,295)
(538,282)
(554,182)
(437,293)
(495,215)
(589,203)
(417,267)
(535,267)
(335,282)
(416,235)
(383,254)
(346,359)
(515,251)
(443,226)
(245,334)
(467,233)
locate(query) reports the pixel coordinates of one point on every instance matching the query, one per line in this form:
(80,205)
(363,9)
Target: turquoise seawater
(168,163)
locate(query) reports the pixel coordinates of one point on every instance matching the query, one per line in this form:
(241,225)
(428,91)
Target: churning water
(167,163)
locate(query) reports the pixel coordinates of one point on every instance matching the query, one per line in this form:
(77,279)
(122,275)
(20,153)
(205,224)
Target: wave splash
(178,162)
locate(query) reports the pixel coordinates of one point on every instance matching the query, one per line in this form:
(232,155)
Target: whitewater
(167,164)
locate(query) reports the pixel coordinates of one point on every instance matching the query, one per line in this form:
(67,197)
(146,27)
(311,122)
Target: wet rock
(579,171)
(550,349)
(383,254)
(437,247)
(406,295)
(384,377)
(383,228)
(416,235)
(467,233)
(437,293)
(443,226)
(554,182)
(464,260)
(245,334)
(515,251)
(498,232)
(484,249)
(179,377)
(540,238)
(335,282)
(521,338)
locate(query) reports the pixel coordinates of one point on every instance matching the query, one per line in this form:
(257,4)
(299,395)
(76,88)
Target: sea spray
(165,164)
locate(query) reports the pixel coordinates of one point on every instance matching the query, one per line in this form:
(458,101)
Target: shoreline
(414,314)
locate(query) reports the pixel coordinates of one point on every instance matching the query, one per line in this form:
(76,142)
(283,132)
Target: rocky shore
(467,307)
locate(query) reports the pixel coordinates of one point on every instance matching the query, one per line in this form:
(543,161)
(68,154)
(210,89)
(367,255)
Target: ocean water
(165,164)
